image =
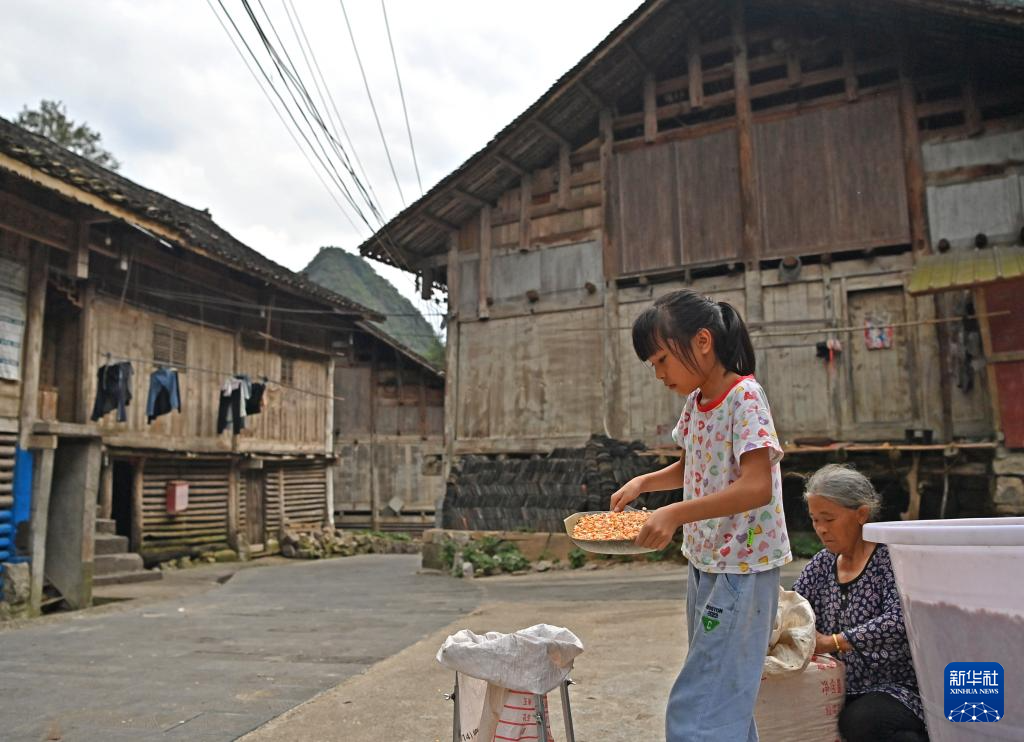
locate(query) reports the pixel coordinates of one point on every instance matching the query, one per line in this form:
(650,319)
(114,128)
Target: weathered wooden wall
(294,419)
(389,427)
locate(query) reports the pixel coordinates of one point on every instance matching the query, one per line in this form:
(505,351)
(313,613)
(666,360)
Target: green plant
(804,544)
(577,557)
(488,555)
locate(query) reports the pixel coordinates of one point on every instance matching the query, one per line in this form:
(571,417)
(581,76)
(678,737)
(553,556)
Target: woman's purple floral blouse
(867,611)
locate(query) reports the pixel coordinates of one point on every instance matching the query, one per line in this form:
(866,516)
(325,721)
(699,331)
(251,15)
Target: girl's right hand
(626,494)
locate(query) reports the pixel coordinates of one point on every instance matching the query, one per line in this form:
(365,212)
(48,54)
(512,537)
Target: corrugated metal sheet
(966,268)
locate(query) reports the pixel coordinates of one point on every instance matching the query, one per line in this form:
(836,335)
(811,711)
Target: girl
(734,531)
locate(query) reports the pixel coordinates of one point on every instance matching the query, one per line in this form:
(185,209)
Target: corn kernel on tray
(605,532)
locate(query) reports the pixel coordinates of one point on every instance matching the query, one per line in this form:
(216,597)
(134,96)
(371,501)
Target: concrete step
(106,564)
(106,525)
(109,544)
(124,578)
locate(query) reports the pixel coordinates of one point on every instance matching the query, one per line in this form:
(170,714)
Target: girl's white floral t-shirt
(713,436)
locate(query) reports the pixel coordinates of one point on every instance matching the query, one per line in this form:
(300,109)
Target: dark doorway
(121,505)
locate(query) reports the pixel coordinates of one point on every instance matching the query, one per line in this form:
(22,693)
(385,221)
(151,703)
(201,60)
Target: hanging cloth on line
(164,393)
(113,390)
(234,398)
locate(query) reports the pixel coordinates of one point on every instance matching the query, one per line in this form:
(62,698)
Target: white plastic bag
(793,635)
(493,667)
(535,660)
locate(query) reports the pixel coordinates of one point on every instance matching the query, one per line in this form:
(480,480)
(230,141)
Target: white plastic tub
(962,586)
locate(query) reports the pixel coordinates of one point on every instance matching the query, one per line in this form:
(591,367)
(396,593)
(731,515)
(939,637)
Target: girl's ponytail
(734,348)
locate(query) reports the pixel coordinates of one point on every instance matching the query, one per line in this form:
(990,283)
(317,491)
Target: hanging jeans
(164,393)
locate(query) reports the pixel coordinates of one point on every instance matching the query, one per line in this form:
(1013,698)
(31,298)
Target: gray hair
(844,486)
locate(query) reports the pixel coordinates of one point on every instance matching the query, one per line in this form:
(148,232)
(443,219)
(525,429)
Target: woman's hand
(825,644)
(659,529)
(627,493)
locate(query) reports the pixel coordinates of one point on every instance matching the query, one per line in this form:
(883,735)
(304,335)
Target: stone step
(106,564)
(106,543)
(106,525)
(124,578)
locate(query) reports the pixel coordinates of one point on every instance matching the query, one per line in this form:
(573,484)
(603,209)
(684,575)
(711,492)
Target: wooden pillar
(32,347)
(753,292)
(106,489)
(981,309)
(484,278)
(79,261)
(606,135)
(564,175)
(233,504)
(744,136)
(614,411)
(422,401)
(282,515)
(39,522)
(87,355)
(331,402)
(694,71)
(650,108)
(525,202)
(912,160)
(138,480)
(850,69)
(329,483)
(374,399)
(451,363)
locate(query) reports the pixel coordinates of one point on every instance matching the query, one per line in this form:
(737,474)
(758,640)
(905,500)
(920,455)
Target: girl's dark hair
(675,318)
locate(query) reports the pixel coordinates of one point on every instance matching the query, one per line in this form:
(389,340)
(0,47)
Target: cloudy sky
(174,102)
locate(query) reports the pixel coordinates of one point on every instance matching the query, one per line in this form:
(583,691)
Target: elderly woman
(858,616)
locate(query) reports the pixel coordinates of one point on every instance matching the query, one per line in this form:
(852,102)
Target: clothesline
(113,357)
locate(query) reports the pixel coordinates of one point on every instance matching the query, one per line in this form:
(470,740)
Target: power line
(373,107)
(281,117)
(401,94)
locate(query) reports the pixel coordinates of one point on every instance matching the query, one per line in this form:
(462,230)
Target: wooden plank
(564,175)
(32,344)
(509,164)
(849,69)
(87,354)
(27,220)
(451,375)
(694,73)
(138,504)
(744,135)
(793,71)
(972,111)
(550,132)
(79,262)
(484,281)
(470,198)
(912,160)
(607,137)
(708,198)
(39,519)
(234,506)
(525,201)
(106,502)
(981,308)
(650,109)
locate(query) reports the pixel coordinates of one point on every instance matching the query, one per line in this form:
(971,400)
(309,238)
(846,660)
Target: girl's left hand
(659,529)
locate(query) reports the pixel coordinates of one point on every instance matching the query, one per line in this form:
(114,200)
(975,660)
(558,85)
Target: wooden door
(255,496)
(880,378)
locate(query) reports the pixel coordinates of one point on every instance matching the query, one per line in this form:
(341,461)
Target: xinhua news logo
(974,691)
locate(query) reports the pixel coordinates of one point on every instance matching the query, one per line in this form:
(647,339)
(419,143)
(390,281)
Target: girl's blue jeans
(729,621)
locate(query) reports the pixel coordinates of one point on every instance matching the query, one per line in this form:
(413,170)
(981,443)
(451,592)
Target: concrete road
(215,665)
(334,650)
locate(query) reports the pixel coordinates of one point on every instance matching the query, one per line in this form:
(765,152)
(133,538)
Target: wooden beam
(912,161)
(426,284)
(744,136)
(637,57)
(564,175)
(439,222)
(32,343)
(38,523)
(610,262)
(451,368)
(850,69)
(471,198)
(590,93)
(87,354)
(106,503)
(694,70)
(232,519)
(329,423)
(525,201)
(549,132)
(650,108)
(506,162)
(28,220)
(794,73)
(972,113)
(137,504)
(79,263)
(484,280)
(981,309)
